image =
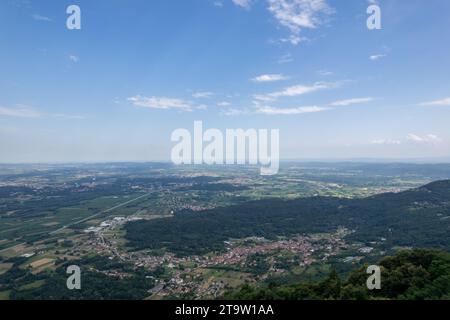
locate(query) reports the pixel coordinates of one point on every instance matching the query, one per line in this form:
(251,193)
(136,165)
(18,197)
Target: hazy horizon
(424,161)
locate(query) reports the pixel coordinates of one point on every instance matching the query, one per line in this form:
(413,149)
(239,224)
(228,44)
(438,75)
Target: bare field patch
(42,262)
(4,267)
(51,224)
(4,295)
(14,251)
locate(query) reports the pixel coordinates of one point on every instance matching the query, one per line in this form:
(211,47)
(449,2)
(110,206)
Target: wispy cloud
(263,97)
(232,112)
(299,90)
(39,17)
(162,103)
(269,78)
(429,138)
(22,111)
(289,111)
(297,15)
(68,116)
(19,112)
(286,58)
(386,142)
(412,138)
(296,91)
(442,102)
(263,103)
(202,95)
(325,73)
(74,58)
(242,3)
(294,39)
(348,102)
(376,57)
(224,104)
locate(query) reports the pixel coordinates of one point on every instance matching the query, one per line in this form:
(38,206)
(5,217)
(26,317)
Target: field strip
(16,245)
(8,230)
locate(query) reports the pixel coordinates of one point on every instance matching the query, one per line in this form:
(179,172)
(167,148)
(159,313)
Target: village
(211,275)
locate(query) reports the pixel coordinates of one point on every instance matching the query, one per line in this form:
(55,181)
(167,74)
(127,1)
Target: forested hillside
(418,218)
(409,275)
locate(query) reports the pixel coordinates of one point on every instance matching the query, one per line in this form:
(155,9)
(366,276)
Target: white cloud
(39,17)
(242,3)
(376,57)
(74,58)
(412,138)
(262,97)
(298,90)
(224,104)
(286,58)
(325,73)
(19,112)
(269,78)
(202,95)
(261,108)
(289,111)
(201,107)
(294,39)
(302,89)
(297,15)
(348,102)
(429,138)
(68,116)
(161,103)
(234,112)
(386,142)
(295,91)
(443,102)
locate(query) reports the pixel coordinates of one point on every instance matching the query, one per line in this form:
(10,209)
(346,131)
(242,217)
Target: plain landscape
(158,231)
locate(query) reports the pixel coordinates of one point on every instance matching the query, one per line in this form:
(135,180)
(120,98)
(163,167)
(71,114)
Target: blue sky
(139,69)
